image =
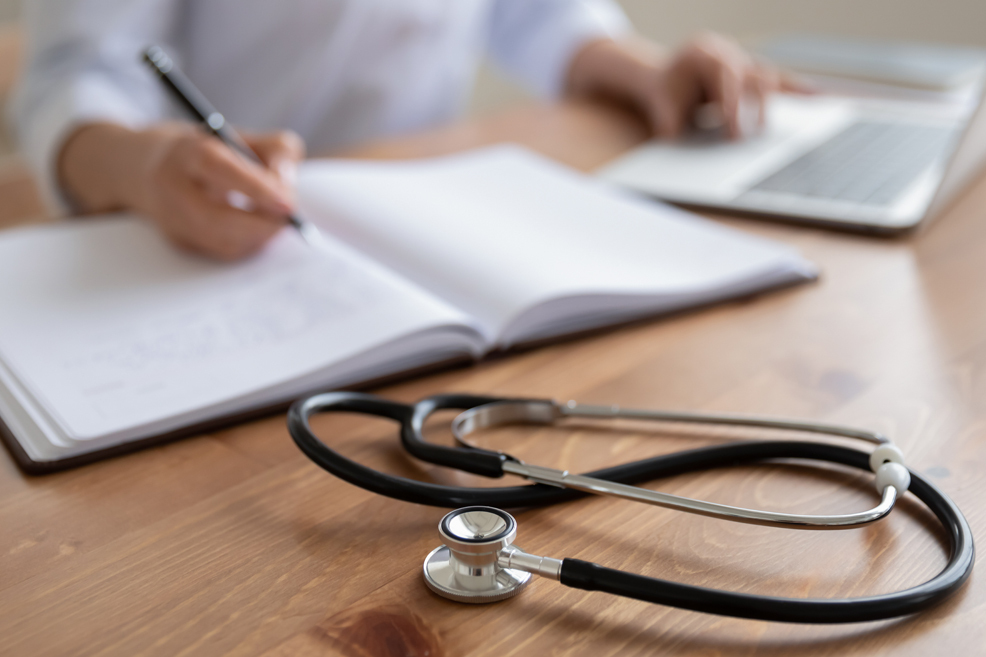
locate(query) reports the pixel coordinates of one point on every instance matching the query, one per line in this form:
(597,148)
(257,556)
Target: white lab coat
(335,71)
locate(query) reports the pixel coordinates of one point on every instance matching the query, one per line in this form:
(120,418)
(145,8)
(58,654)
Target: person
(103,135)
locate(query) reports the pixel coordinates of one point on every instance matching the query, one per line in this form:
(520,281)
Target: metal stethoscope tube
(890,485)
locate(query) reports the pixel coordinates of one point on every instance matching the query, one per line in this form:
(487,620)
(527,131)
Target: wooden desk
(234,543)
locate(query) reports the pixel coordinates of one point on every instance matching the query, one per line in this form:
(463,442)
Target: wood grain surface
(235,544)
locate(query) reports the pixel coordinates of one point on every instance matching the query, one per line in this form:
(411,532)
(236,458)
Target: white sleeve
(83,64)
(535,40)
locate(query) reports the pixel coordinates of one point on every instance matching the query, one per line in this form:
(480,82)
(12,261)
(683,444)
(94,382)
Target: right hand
(187,182)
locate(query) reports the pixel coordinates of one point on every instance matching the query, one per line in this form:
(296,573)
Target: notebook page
(110,328)
(500,232)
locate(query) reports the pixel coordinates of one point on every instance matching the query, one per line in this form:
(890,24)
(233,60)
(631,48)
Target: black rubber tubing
(592,577)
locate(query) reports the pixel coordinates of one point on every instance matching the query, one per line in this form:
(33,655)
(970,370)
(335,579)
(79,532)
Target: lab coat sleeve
(82,64)
(535,40)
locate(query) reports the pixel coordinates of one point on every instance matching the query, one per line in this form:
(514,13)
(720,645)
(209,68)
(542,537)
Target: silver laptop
(883,166)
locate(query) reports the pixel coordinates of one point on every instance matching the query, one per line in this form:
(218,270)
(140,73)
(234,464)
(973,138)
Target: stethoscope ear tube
(399,488)
(482,462)
(506,497)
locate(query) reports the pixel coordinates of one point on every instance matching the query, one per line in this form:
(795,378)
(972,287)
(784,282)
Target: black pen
(196,103)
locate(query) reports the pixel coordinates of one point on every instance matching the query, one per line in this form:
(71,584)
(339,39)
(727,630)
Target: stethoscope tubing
(592,577)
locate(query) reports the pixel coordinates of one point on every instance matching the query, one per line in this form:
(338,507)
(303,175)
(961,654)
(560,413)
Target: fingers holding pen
(199,223)
(230,234)
(194,188)
(225,175)
(281,152)
(209,199)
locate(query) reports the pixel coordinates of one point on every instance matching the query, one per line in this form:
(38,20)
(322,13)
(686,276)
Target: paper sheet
(112,328)
(500,230)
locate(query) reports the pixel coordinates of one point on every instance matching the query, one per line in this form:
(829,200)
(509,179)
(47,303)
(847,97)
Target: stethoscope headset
(479,563)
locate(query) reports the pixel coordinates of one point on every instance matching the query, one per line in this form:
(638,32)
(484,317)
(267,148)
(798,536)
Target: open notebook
(110,338)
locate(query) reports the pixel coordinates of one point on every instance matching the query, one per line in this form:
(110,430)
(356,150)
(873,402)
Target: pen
(196,103)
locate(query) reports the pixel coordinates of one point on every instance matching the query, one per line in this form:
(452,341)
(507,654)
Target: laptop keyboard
(870,162)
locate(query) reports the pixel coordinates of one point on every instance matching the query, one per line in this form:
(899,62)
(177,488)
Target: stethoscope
(478,561)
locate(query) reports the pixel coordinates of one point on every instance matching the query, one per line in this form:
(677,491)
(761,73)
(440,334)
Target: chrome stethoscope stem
(573,409)
(564,479)
(547,412)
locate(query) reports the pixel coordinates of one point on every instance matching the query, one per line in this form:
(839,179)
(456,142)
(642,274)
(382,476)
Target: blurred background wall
(950,21)
(9,9)
(672,21)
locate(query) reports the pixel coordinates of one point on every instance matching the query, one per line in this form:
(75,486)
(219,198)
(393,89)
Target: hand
(670,90)
(208,198)
(201,194)
(711,69)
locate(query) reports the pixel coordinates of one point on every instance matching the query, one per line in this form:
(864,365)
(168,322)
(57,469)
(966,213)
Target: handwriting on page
(275,311)
(119,334)
(163,357)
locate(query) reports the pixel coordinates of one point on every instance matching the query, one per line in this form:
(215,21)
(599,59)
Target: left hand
(669,90)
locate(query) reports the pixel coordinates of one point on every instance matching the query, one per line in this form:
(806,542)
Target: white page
(110,328)
(500,230)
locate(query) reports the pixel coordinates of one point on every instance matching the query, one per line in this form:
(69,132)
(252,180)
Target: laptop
(879,166)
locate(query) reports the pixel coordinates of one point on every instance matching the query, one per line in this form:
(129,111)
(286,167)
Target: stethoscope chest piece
(467,568)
